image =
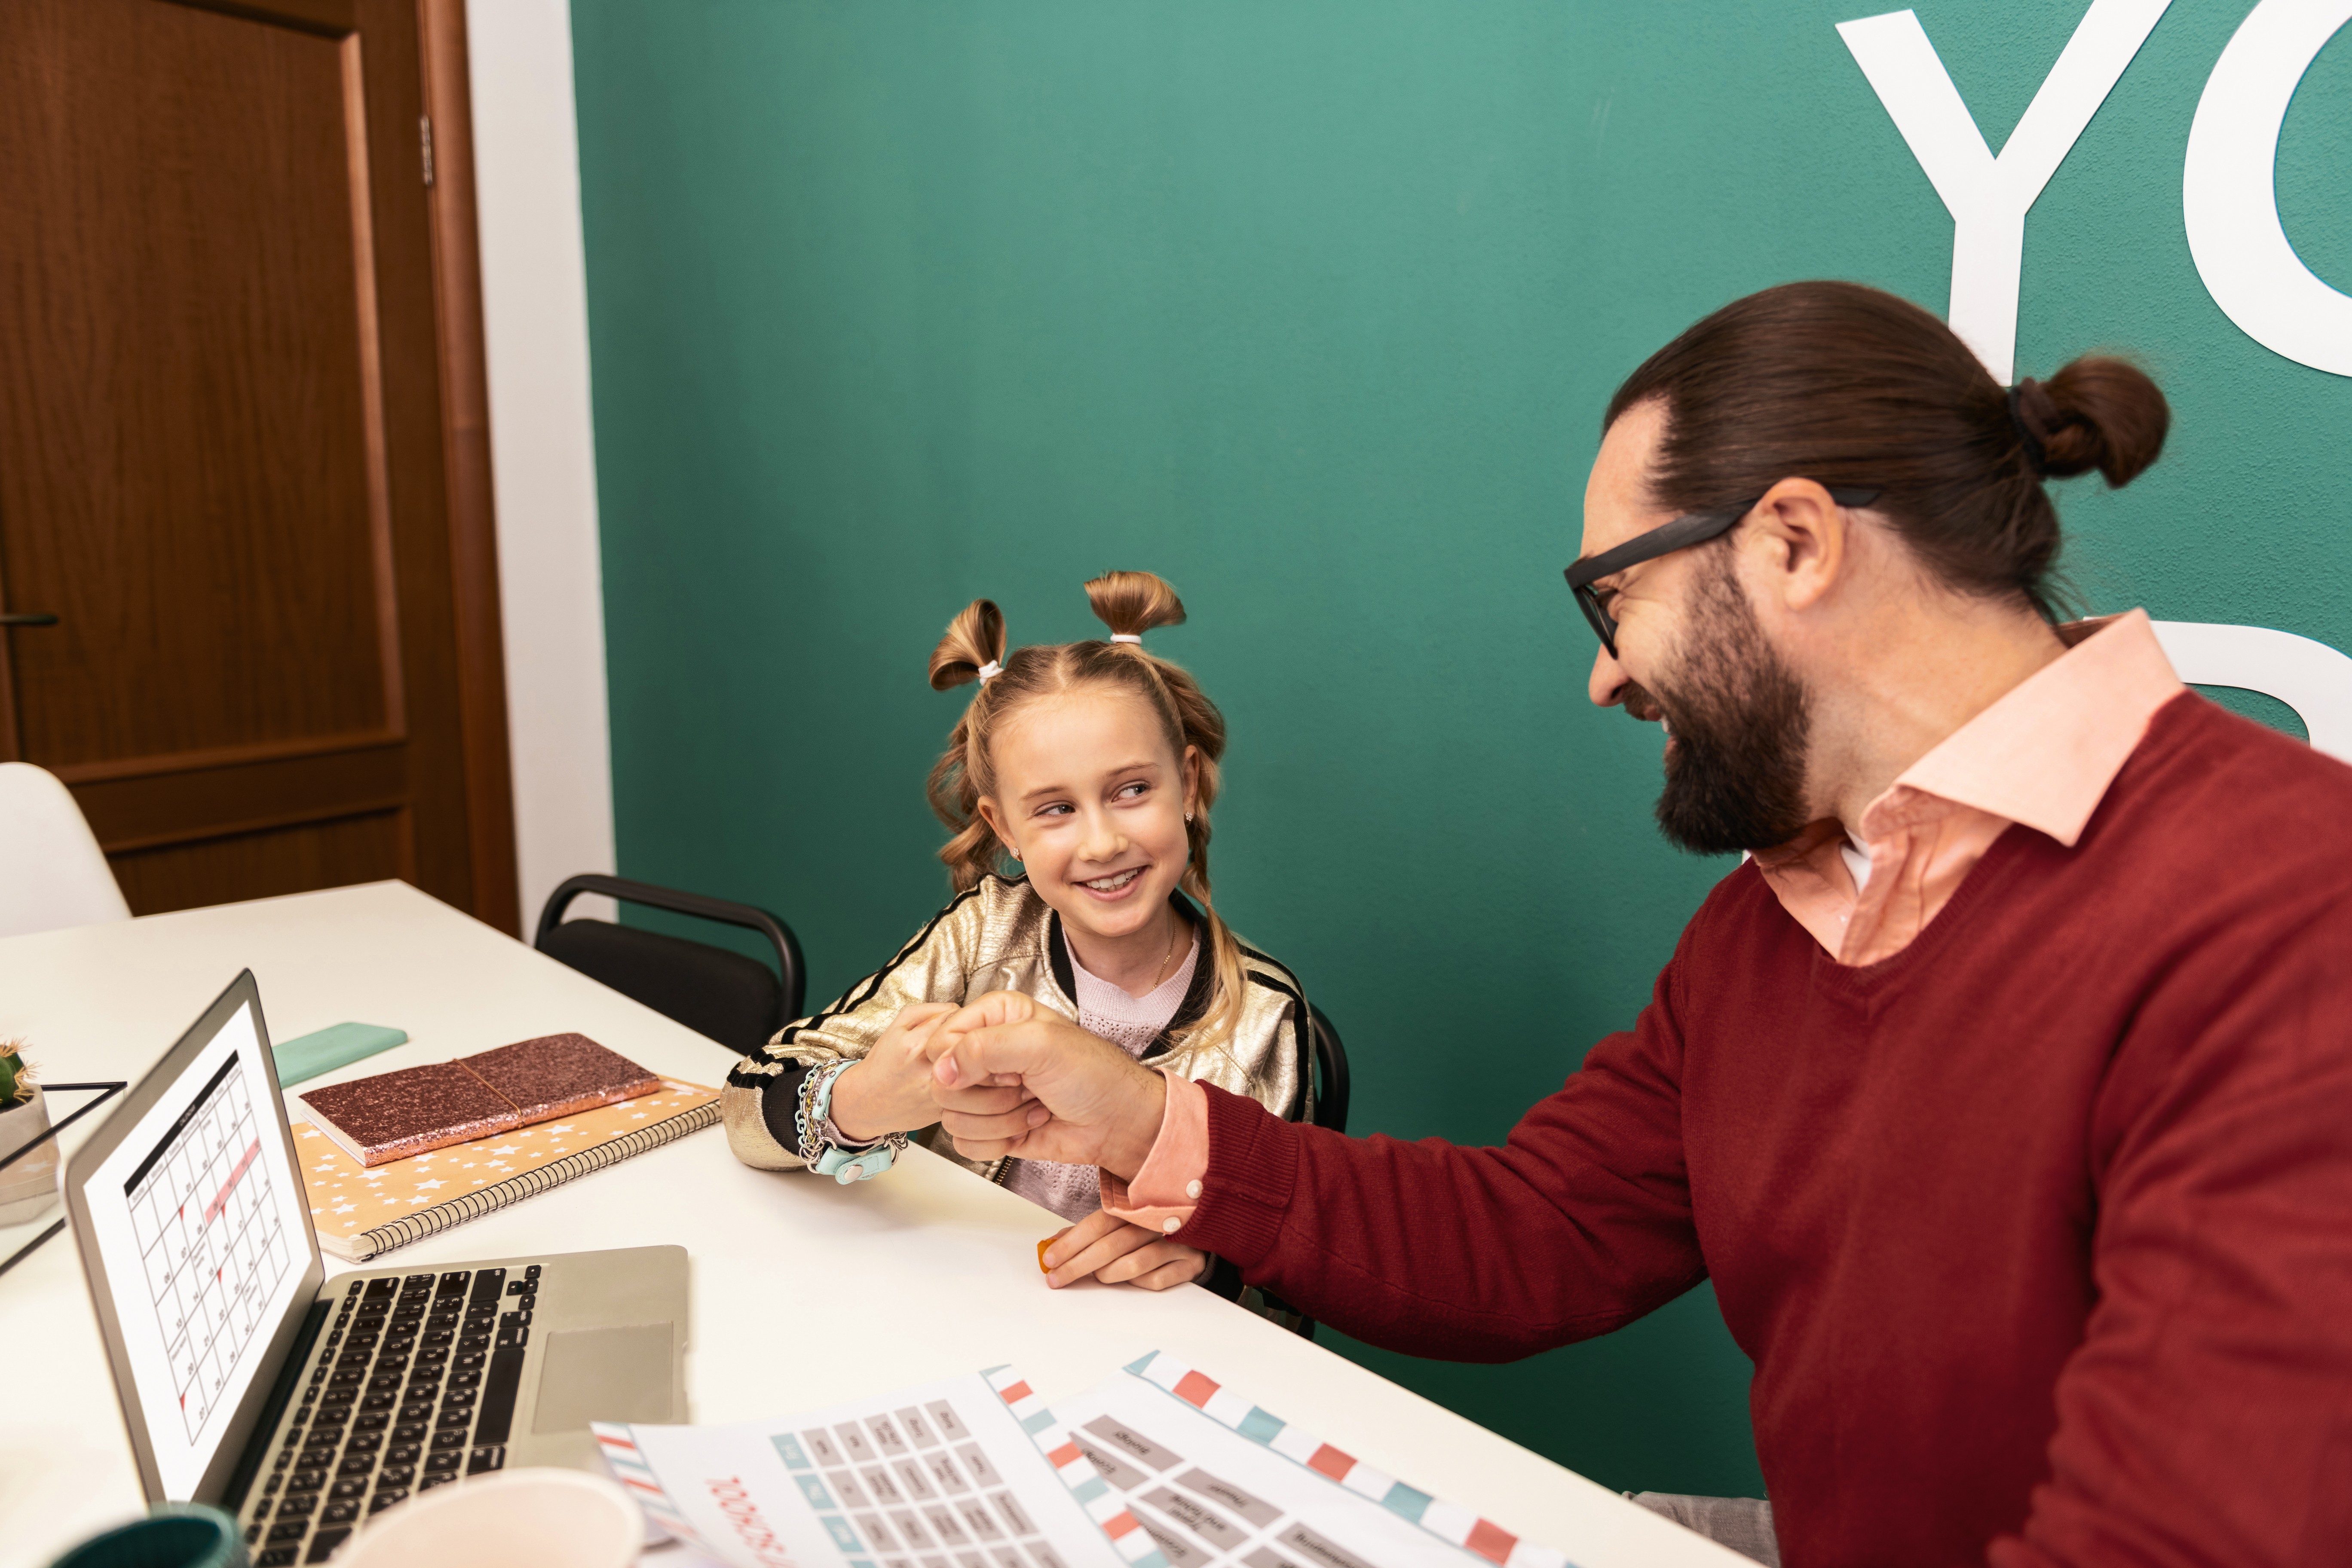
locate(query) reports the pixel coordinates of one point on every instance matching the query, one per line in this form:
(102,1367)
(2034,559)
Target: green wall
(1313,308)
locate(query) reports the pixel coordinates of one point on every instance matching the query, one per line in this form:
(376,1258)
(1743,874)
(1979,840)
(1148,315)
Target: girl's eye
(1133,790)
(1058,807)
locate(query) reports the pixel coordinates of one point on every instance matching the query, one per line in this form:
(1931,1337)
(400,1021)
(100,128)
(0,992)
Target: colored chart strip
(629,1468)
(1105,1507)
(1454,1525)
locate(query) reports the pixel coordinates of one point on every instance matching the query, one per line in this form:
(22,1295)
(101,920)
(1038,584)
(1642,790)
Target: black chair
(737,1001)
(1330,1072)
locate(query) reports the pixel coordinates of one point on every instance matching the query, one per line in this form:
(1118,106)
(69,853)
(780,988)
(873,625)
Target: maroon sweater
(2040,1232)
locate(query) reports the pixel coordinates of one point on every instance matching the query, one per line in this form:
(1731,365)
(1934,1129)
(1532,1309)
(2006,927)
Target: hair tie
(1126,637)
(2036,456)
(990,671)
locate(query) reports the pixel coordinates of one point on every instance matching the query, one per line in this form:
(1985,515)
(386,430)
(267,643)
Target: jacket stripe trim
(857,998)
(1271,983)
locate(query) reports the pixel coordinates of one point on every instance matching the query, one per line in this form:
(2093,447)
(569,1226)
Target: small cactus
(15,1076)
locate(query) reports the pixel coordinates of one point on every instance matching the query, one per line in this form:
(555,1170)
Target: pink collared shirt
(2043,755)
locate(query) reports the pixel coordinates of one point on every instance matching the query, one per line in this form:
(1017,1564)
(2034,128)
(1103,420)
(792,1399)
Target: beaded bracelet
(822,1155)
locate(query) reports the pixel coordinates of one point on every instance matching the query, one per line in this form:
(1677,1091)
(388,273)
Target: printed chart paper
(1217,1482)
(1160,1466)
(950,1475)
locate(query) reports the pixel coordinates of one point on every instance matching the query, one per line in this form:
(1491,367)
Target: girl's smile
(1118,885)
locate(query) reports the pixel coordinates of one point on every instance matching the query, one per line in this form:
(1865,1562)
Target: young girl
(1091,766)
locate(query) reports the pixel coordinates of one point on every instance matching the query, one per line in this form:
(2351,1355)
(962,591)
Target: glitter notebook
(414,1110)
(365,1211)
(558,1075)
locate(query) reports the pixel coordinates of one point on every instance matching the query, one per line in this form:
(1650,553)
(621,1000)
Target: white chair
(52,872)
(2309,676)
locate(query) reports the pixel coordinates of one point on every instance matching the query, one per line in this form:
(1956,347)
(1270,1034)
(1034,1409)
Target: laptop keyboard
(414,1388)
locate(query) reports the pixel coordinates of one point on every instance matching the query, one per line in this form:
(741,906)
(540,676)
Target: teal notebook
(339,1045)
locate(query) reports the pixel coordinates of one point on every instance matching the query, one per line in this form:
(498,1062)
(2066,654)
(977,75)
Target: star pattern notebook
(365,1211)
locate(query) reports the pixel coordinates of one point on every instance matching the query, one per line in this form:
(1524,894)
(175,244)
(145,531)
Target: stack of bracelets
(825,1157)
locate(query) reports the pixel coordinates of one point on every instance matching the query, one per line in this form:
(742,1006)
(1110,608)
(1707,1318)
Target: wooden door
(242,456)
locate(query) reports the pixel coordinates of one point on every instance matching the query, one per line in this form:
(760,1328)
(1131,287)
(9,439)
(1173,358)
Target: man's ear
(1802,539)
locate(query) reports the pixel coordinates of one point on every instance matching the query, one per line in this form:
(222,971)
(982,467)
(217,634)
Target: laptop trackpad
(605,1375)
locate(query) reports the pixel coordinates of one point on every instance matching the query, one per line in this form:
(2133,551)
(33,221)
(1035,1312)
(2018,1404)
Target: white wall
(535,303)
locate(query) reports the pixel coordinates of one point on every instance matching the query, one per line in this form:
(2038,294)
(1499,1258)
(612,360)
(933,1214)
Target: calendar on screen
(212,1240)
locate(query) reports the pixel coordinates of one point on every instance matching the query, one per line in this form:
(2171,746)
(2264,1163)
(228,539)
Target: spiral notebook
(362,1212)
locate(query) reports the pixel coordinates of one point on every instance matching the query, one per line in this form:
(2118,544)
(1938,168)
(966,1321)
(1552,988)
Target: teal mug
(175,1535)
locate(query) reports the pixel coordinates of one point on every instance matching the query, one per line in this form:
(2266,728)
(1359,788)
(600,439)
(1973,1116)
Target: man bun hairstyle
(1130,603)
(1850,385)
(2097,412)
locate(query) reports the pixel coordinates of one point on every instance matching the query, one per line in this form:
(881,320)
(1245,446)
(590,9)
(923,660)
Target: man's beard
(1740,723)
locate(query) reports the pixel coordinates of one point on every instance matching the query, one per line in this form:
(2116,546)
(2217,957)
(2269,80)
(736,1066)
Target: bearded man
(2004,1091)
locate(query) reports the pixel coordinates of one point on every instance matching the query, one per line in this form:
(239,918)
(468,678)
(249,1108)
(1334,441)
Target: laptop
(302,1405)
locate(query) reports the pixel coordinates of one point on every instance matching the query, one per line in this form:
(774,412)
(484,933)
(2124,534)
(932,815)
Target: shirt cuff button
(1192,1190)
(1167,1227)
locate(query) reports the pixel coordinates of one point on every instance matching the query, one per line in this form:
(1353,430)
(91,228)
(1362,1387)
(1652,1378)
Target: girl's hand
(890,1089)
(1014,1078)
(1116,1253)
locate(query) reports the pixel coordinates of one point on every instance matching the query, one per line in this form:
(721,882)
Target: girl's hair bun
(2097,412)
(1131,602)
(975,637)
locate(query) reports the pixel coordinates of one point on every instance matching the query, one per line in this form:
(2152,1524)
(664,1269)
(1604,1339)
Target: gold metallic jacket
(1001,936)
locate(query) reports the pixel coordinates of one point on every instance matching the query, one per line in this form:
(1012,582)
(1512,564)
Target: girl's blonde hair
(1130,603)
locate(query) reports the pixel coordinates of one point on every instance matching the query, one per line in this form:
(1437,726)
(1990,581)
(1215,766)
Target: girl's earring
(1188,816)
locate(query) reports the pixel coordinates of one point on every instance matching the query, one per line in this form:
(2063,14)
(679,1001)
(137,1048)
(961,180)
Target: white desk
(804,1292)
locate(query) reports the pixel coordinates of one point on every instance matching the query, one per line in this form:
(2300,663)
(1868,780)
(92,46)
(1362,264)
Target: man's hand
(1118,1253)
(1013,1077)
(890,1089)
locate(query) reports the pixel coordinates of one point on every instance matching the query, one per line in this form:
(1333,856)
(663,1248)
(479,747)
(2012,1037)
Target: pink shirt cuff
(1162,1196)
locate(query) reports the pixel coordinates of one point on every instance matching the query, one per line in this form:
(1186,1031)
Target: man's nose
(1606,686)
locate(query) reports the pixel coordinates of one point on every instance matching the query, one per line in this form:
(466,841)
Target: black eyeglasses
(1696,528)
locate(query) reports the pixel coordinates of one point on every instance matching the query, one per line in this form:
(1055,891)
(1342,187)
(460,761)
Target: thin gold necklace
(1160,975)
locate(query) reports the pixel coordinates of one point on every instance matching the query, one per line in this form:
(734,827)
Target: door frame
(465,463)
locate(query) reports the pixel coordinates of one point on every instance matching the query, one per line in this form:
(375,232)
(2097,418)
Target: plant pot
(30,1186)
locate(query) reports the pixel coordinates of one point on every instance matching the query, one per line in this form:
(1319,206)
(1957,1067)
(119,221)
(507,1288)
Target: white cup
(549,1519)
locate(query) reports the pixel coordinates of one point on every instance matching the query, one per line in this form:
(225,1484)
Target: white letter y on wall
(1989,197)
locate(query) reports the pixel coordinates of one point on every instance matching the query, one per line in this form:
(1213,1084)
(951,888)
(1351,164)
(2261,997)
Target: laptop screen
(200,1218)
